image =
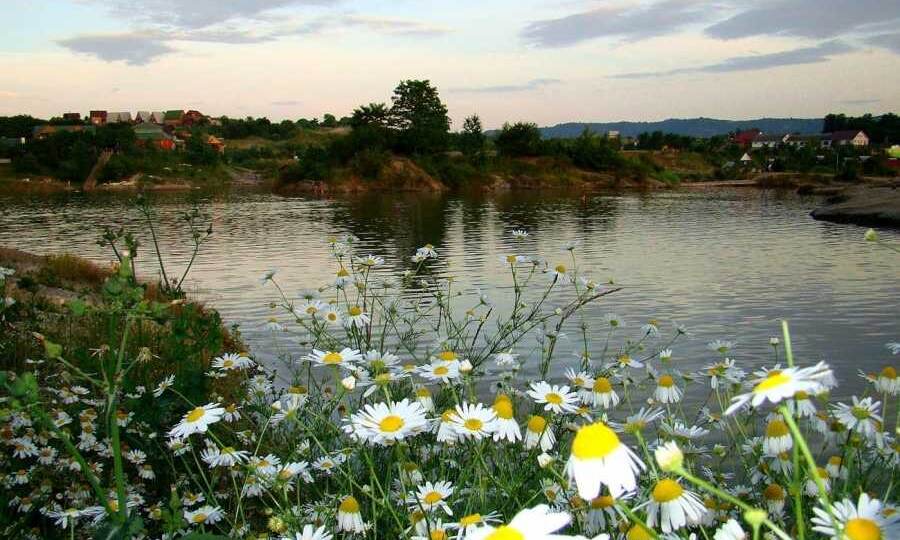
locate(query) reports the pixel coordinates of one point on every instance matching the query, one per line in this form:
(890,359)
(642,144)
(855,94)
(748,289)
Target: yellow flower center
(666,381)
(594,441)
(474,424)
(636,532)
(860,413)
(561,269)
(505,533)
(862,529)
(602,385)
(603,501)
(311,310)
(835,460)
(391,423)
(332,358)
(441,371)
(503,408)
(553,398)
(383,379)
(349,505)
(355,311)
(432,497)
(471,519)
(343,272)
(774,379)
(423,392)
(195,415)
(774,492)
(511,259)
(776,428)
(537,424)
(199,518)
(438,534)
(889,372)
(667,490)
(448,415)
(447,356)
(228,363)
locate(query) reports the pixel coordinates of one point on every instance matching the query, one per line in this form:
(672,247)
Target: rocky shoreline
(867,206)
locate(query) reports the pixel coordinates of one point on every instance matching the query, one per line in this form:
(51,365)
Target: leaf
(120,531)
(204,536)
(52,350)
(77,307)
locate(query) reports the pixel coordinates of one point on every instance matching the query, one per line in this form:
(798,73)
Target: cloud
(396,27)
(859,101)
(887,41)
(134,48)
(631,23)
(818,19)
(195,14)
(286,103)
(533,84)
(805,55)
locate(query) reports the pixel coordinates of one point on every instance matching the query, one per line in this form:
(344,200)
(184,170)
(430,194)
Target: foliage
(519,139)
(419,117)
(883,129)
(472,139)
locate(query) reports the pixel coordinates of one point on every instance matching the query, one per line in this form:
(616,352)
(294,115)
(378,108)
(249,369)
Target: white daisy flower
(224,457)
(204,515)
(887,382)
(342,277)
(538,523)
(345,358)
(601,394)
(309,308)
(387,423)
(371,261)
(779,384)
(673,507)
(440,370)
(777,438)
(197,420)
(560,273)
(599,457)
(554,397)
(862,417)
(310,532)
(504,359)
(349,518)
(507,428)
(720,346)
(666,390)
(473,421)
(731,530)
(164,385)
(356,317)
(865,520)
(431,496)
(427,251)
(332,316)
(539,433)
(519,234)
(774,496)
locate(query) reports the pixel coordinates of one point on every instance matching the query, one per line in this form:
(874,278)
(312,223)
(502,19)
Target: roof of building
(98,113)
(150,132)
(845,135)
(118,117)
(771,137)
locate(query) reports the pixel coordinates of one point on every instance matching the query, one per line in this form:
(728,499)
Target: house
(98,118)
(746,159)
(150,133)
(851,137)
(216,143)
(72,116)
(612,135)
(745,138)
(768,141)
(173,118)
(42,132)
(797,140)
(193,117)
(118,118)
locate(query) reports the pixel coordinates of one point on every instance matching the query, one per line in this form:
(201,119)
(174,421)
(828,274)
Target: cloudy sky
(546,61)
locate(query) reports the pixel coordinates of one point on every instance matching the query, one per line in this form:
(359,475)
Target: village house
(768,141)
(216,143)
(852,137)
(173,118)
(746,137)
(46,130)
(153,134)
(118,118)
(98,118)
(192,118)
(72,116)
(797,140)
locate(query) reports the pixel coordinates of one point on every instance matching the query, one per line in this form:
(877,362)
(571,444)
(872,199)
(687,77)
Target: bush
(519,139)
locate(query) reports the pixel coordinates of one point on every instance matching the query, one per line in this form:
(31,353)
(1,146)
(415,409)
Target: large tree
(420,118)
(472,138)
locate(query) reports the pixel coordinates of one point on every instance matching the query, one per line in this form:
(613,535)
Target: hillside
(694,127)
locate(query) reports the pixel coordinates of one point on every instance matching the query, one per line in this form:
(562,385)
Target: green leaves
(77,306)
(52,350)
(132,526)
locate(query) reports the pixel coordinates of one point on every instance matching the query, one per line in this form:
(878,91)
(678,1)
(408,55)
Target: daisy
(602,514)
(777,438)
(332,316)
(197,420)
(864,520)
(356,317)
(774,496)
(779,384)
(802,406)
(309,532)
(812,488)
(598,457)
(348,516)
(342,277)
(230,361)
(613,321)
(862,417)
(560,273)
(626,361)
(504,359)
(427,251)
(887,381)
(386,423)
(666,391)
(445,429)
(556,398)
(601,394)
(309,308)
(346,357)
(507,427)
(224,457)
(723,371)
(519,234)
(473,421)
(371,261)
(673,507)
(378,362)
(440,370)
(731,530)
(539,433)
(835,467)
(164,385)
(720,346)
(470,522)
(538,523)
(232,413)
(203,515)
(431,496)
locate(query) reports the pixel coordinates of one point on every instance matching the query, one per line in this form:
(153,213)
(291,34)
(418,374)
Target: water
(727,264)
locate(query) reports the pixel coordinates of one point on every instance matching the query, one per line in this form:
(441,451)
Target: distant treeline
(884,129)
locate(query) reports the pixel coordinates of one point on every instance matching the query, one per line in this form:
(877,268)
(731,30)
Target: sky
(545,61)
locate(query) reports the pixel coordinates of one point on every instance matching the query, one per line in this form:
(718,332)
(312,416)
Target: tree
(373,115)
(329,121)
(472,139)
(420,118)
(519,139)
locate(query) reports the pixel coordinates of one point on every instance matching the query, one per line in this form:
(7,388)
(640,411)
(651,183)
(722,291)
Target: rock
(871,207)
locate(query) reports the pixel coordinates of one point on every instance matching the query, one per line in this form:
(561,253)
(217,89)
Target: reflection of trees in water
(537,211)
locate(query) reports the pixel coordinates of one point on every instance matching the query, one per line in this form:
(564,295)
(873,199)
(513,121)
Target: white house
(853,137)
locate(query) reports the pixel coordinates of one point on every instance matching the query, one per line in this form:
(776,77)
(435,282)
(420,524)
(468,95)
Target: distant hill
(695,127)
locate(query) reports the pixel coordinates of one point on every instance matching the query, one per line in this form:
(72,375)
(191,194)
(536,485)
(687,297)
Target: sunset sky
(546,61)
